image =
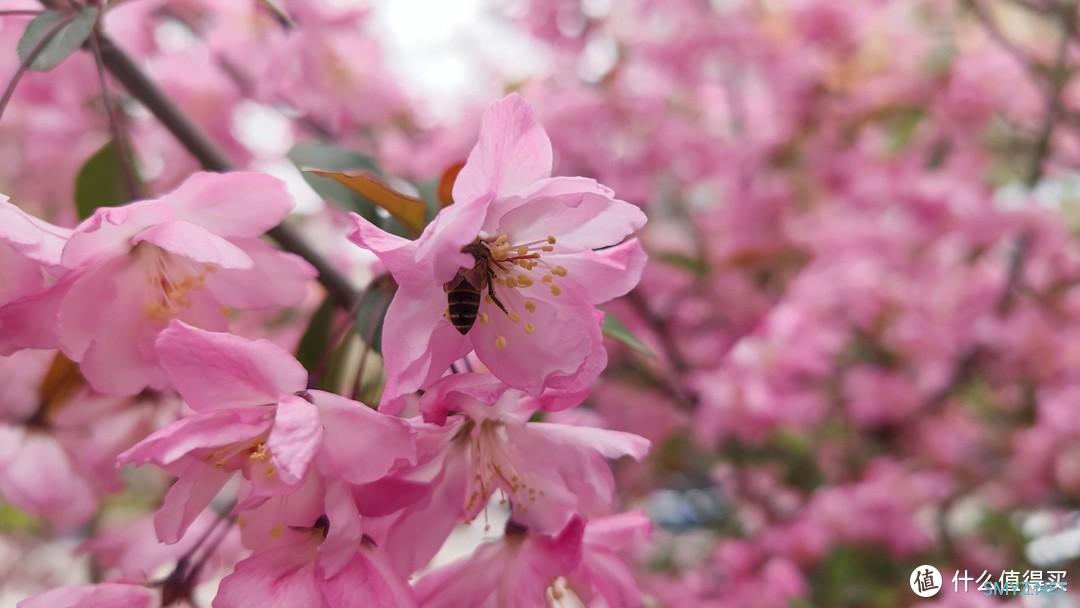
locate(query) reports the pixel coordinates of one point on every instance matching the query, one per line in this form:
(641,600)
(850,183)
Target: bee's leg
(494,298)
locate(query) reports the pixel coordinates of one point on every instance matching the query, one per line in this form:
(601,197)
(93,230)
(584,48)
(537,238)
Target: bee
(463,292)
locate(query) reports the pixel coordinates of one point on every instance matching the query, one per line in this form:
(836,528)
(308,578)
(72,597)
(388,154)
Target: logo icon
(925,581)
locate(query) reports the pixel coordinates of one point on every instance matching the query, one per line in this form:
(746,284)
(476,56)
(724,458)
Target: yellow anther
(277,531)
(483,317)
(510,281)
(260,453)
(551,240)
(530,306)
(529,328)
(559,271)
(548,248)
(524,281)
(270,471)
(522,250)
(514,318)
(555,290)
(500,342)
(547,278)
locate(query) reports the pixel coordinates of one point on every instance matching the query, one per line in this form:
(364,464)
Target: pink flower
(58,442)
(486,444)
(101,595)
(547,248)
(188,255)
(524,569)
(30,256)
(253,414)
(323,559)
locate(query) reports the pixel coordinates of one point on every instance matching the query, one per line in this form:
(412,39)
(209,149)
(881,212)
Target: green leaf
(100,182)
(372,310)
(316,338)
(331,157)
(614,328)
(64,42)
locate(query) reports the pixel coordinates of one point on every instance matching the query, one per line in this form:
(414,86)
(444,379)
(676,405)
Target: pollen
(529,328)
(559,271)
(500,342)
(514,317)
(550,240)
(555,290)
(277,531)
(547,278)
(524,281)
(259,452)
(523,250)
(483,317)
(530,306)
(270,471)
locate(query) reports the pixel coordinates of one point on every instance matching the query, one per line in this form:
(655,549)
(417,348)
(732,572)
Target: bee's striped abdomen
(463,303)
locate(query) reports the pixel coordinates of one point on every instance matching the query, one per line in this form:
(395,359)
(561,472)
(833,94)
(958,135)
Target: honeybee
(463,292)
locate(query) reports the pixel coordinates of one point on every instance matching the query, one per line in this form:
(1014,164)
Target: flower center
(494,468)
(171,278)
(516,267)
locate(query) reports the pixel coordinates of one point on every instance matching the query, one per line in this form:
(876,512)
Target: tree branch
(212,158)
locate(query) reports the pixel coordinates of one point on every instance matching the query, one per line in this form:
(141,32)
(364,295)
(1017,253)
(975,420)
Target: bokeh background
(856,347)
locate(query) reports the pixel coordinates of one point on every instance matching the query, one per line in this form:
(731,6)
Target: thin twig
(30,58)
(212,158)
(124,151)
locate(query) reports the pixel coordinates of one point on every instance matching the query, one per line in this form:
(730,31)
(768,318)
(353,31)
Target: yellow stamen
(559,271)
(514,318)
(529,328)
(500,342)
(555,290)
(530,306)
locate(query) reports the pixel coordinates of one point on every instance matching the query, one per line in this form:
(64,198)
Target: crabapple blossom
(252,414)
(548,248)
(191,254)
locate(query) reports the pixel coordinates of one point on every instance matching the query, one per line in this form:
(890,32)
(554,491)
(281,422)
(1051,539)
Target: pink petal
(31,237)
(194,243)
(192,492)
(610,444)
(605,274)
(512,152)
(360,445)
(209,429)
(103,324)
(420,343)
(31,322)
(346,530)
(276,279)
(584,219)
(368,581)
(281,576)
(108,232)
(396,253)
(563,337)
(294,438)
(212,369)
(241,204)
(439,247)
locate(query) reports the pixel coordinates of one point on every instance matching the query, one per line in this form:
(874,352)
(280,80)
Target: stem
(29,12)
(25,65)
(139,86)
(124,152)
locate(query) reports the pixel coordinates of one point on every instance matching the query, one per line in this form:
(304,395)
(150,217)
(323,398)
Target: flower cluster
(335,503)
